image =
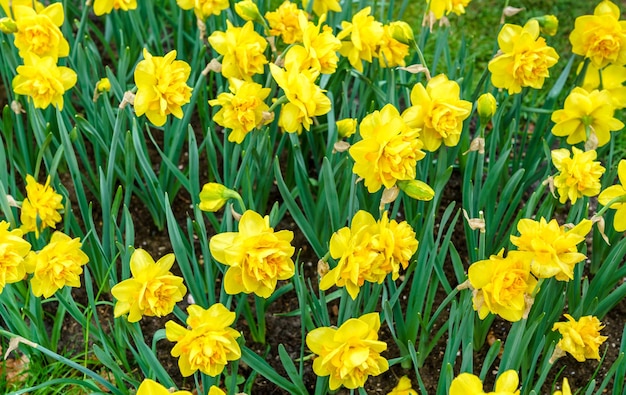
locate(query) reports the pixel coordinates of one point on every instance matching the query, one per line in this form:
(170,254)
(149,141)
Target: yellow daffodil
(320,44)
(305,99)
(365,37)
(39,33)
(242,109)
(40,208)
(403,387)
(208,342)
(243,50)
(58,264)
(284,22)
(600,37)
(391,52)
(586,115)
(613,78)
(349,354)
(486,107)
(617,191)
(580,338)
(151,387)
(321,7)
(440,8)
(579,175)
(13,250)
(346,127)
(8,5)
(43,81)
(213,196)
(161,87)
(438,111)
(204,8)
(565,389)
(101,7)
(216,391)
(503,285)
(103,85)
(469,384)
(151,291)
(553,249)
(389,149)
(369,250)
(256,255)
(523,60)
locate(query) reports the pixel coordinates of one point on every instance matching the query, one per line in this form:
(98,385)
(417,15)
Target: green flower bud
(486,106)
(247,10)
(416,189)
(402,32)
(213,196)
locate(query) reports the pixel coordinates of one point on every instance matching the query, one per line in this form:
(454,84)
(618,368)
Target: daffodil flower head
(101,7)
(391,52)
(43,81)
(612,77)
(243,50)
(321,45)
(524,58)
(203,8)
(151,387)
(617,192)
(580,338)
(440,8)
(321,7)
(579,174)
(284,22)
(38,31)
(600,37)
(208,342)
(161,87)
(57,265)
(13,251)
(565,388)
(40,208)
(256,256)
(348,354)
(552,249)
(469,384)
(389,150)
(586,116)
(151,291)
(365,34)
(403,387)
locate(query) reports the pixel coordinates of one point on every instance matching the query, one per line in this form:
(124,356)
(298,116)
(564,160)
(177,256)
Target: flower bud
(213,196)
(346,127)
(247,10)
(104,85)
(402,32)
(416,189)
(486,106)
(549,24)
(7,25)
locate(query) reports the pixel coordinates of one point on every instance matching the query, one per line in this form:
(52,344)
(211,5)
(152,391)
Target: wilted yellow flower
(349,354)
(580,338)
(58,264)
(161,87)
(565,389)
(321,7)
(284,22)
(256,255)
(43,81)
(103,85)
(524,58)
(469,384)
(438,111)
(403,387)
(151,387)
(242,109)
(601,37)
(553,249)
(584,114)
(243,51)
(101,7)
(439,8)
(369,250)
(613,78)
(213,196)
(579,174)
(204,8)
(305,99)
(549,24)
(208,342)
(247,10)
(38,32)
(152,291)
(503,286)
(365,36)
(346,127)
(321,45)
(40,208)
(13,250)
(388,151)
(617,191)
(391,52)
(486,106)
